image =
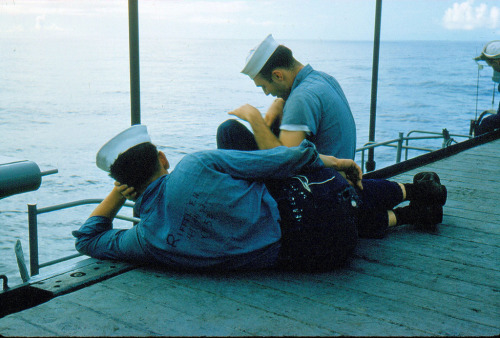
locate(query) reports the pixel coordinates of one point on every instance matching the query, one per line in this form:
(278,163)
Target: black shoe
(423,217)
(429,217)
(428,189)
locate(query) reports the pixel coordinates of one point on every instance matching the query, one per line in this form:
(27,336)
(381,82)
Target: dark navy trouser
(322,217)
(232,134)
(320,226)
(378,196)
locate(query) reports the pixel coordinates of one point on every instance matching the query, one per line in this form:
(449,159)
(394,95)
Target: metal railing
(33,213)
(402,142)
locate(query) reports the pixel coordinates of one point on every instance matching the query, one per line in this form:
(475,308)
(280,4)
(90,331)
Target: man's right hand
(274,112)
(126,191)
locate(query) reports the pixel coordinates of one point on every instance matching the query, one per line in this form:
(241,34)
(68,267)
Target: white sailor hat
(259,55)
(119,144)
(490,51)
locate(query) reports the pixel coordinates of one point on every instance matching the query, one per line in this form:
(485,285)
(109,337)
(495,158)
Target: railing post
(370,163)
(33,239)
(406,143)
(135,87)
(362,159)
(400,147)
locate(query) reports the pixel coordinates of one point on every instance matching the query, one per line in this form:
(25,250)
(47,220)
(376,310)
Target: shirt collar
(304,72)
(148,193)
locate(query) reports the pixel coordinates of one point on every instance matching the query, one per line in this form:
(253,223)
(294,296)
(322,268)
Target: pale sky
(477,20)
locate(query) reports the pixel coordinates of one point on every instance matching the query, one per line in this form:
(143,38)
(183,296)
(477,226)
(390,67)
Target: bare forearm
(110,206)
(263,135)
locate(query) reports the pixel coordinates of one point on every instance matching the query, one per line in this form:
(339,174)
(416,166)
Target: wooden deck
(410,283)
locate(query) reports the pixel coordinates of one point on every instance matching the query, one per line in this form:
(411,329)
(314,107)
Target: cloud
(466,16)
(40,25)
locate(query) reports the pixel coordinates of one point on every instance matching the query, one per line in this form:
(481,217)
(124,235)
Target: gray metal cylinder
(19,177)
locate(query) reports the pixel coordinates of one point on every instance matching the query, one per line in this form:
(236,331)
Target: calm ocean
(61,99)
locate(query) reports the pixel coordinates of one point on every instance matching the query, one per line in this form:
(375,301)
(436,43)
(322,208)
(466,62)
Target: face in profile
(494,63)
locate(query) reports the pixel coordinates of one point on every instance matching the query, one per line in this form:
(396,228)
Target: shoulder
(199,160)
(318,79)
(302,96)
(320,86)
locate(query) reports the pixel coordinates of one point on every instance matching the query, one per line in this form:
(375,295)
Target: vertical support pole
(370,163)
(362,158)
(135,88)
(406,143)
(33,239)
(400,147)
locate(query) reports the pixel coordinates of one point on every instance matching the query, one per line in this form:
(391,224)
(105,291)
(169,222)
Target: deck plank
(423,263)
(282,307)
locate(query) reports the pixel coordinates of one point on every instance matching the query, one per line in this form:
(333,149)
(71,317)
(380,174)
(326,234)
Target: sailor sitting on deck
(310,105)
(229,209)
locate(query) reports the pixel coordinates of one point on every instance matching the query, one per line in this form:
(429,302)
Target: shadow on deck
(410,283)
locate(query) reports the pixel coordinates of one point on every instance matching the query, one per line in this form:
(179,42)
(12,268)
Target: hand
(246,112)
(275,112)
(347,168)
(126,191)
(110,205)
(352,171)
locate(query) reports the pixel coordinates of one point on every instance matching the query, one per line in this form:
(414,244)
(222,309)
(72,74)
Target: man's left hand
(348,168)
(247,112)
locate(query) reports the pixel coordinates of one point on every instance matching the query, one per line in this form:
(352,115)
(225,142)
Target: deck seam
(413,304)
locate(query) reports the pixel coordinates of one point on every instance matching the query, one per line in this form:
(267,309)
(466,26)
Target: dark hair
(136,166)
(281,58)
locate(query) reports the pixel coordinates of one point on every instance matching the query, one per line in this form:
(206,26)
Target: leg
(232,134)
(377,197)
(318,220)
(426,196)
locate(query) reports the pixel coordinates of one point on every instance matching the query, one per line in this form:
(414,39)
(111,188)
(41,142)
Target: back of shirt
(200,217)
(318,106)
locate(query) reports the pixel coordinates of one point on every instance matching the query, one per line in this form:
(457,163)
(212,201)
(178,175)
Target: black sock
(404,215)
(410,191)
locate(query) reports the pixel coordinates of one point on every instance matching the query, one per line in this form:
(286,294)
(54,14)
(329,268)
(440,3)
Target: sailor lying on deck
(228,209)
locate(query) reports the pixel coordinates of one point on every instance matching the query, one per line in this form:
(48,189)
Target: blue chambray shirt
(317,105)
(212,211)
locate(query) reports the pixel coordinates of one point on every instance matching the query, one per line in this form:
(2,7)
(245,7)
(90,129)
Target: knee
(227,126)
(228,134)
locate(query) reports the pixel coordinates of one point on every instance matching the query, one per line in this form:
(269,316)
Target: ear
(277,75)
(163,160)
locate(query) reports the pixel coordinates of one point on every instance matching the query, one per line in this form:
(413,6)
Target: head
(278,73)
(494,63)
(272,67)
(139,166)
(131,158)
(491,55)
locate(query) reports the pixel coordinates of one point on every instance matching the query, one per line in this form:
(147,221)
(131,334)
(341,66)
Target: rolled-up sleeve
(97,238)
(277,163)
